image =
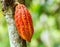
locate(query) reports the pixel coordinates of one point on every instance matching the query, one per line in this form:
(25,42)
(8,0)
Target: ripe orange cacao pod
(23,22)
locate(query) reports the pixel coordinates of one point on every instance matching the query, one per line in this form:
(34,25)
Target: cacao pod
(23,22)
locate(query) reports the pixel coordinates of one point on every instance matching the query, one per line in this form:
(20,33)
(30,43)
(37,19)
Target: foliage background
(46,21)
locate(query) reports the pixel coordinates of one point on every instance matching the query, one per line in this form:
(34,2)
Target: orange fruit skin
(23,22)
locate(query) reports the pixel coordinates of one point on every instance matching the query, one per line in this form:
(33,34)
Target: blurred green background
(46,21)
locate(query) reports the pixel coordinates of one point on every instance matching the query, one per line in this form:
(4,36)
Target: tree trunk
(15,40)
(13,35)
